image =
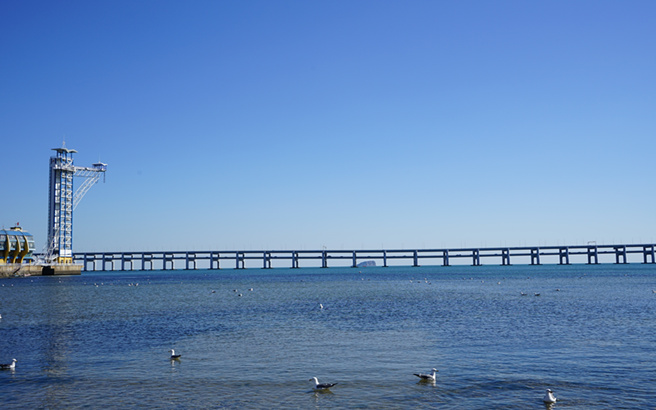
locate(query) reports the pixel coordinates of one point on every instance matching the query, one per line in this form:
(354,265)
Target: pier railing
(530,255)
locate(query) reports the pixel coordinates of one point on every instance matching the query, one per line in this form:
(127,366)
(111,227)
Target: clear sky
(345,124)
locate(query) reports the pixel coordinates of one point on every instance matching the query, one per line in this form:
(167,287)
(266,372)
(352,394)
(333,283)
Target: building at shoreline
(16,246)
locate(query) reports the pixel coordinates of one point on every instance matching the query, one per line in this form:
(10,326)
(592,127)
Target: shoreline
(21,271)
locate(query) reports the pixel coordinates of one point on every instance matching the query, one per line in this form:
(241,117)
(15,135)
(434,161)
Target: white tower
(62,202)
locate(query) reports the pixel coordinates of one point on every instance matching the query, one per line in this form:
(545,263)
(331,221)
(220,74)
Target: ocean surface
(253,338)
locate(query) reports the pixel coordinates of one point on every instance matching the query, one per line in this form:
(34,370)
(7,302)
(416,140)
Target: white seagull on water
(174,356)
(427,377)
(321,386)
(10,366)
(549,397)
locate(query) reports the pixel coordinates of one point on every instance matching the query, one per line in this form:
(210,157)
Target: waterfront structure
(62,202)
(16,246)
(591,254)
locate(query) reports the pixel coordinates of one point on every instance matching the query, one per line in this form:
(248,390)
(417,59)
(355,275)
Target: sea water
(253,338)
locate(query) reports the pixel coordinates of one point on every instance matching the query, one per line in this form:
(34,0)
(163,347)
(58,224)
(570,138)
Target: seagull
(427,377)
(11,366)
(549,397)
(174,356)
(321,386)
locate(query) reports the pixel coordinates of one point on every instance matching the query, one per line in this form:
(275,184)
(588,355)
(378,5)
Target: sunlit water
(103,339)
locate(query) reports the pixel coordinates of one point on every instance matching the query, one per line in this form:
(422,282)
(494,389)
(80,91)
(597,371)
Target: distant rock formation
(366,264)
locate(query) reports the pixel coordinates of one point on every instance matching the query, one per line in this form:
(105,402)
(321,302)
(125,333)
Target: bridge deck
(530,255)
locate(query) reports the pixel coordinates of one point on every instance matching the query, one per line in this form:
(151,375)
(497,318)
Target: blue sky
(345,124)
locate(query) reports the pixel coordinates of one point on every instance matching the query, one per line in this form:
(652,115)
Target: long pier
(267,259)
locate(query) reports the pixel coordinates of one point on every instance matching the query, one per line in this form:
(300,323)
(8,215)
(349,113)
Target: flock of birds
(430,377)
(548,398)
(425,280)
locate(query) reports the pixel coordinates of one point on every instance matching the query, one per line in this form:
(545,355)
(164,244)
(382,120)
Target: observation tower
(62,202)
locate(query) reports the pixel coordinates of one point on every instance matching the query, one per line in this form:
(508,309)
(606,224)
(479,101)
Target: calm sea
(102,339)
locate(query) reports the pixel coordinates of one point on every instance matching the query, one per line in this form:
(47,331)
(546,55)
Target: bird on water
(10,366)
(549,397)
(174,356)
(321,386)
(428,377)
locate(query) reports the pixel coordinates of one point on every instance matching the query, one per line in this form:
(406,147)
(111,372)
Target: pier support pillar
(324,259)
(266,260)
(415,259)
(535,256)
(239,261)
(125,259)
(505,257)
(190,258)
(88,260)
(107,258)
(168,258)
(215,256)
(384,259)
(648,253)
(147,258)
(294,260)
(476,257)
(563,254)
(620,254)
(445,258)
(355,260)
(593,256)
